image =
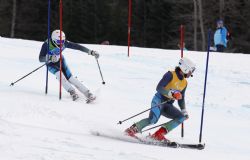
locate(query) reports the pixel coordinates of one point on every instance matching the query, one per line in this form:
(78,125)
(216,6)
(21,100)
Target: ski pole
(152,127)
(120,122)
(12,84)
(205,85)
(103,82)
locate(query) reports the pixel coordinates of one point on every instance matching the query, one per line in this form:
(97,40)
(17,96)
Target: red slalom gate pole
(182,39)
(129,22)
(181,45)
(60,90)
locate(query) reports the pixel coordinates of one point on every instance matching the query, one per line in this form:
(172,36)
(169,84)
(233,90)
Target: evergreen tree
(155,23)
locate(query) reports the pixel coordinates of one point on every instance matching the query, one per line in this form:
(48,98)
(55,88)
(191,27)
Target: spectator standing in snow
(220,37)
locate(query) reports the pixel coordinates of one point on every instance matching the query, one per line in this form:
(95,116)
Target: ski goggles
(59,41)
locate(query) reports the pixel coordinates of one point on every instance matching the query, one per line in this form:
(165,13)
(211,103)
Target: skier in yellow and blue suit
(170,88)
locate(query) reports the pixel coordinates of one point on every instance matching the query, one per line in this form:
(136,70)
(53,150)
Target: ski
(146,141)
(198,146)
(171,144)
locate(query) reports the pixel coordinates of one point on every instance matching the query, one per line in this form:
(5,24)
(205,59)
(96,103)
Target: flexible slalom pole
(181,45)
(60,90)
(129,23)
(47,70)
(205,84)
(182,39)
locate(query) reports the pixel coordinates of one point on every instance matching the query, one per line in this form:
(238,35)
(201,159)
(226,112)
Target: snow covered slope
(35,126)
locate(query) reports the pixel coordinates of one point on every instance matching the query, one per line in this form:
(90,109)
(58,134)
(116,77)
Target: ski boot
(159,135)
(90,98)
(74,95)
(131,131)
(160,138)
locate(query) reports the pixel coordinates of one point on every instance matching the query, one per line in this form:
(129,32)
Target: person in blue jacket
(171,87)
(220,37)
(53,62)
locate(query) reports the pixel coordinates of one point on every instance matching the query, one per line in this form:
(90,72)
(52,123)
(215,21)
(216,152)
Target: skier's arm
(163,82)
(43,53)
(76,46)
(181,102)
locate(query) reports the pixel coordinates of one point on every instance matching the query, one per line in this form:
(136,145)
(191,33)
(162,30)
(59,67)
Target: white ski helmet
(55,36)
(186,65)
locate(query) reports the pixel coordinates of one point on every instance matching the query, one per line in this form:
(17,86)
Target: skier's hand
(94,53)
(176,94)
(53,58)
(184,112)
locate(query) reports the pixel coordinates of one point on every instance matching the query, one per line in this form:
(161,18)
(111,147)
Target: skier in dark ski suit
(54,63)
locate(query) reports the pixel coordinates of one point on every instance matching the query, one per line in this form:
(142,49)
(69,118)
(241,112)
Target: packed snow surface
(35,126)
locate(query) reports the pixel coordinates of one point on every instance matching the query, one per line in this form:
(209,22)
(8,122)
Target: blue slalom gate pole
(61,19)
(181,46)
(205,84)
(47,70)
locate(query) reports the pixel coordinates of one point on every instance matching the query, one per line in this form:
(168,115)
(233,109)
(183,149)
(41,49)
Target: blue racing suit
(55,50)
